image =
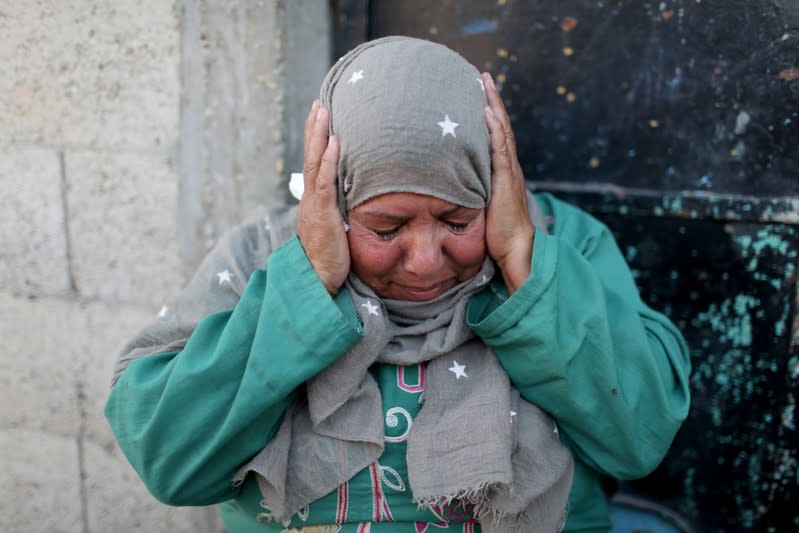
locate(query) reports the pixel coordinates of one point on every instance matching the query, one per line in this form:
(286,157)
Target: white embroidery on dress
(415,388)
(392,421)
(302,514)
(397,484)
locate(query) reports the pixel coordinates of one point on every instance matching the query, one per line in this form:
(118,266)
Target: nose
(424,256)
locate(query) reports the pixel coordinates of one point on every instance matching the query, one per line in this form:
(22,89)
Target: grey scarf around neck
(408,114)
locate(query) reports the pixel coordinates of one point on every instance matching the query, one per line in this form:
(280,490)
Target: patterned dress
(575,340)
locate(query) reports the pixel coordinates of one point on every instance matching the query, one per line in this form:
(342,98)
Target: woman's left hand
(509,229)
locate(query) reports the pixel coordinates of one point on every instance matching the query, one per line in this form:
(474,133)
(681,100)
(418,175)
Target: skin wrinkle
(427,252)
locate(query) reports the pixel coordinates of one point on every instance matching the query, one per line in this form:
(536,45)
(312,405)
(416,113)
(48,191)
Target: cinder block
(60,356)
(33,249)
(86,73)
(39,483)
(117,500)
(122,226)
(37,368)
(111,327)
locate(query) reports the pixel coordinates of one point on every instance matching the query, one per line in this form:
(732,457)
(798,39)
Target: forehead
(406,204)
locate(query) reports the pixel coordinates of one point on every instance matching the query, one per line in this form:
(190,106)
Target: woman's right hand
(320,227)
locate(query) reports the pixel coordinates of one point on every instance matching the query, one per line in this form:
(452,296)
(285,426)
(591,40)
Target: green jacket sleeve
(577,341)
(188,419)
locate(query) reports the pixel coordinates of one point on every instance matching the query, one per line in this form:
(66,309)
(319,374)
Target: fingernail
(318,114)
(314,105)
(491,82)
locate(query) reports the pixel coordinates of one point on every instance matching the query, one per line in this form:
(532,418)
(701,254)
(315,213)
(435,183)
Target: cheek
(371,257)
(468,250)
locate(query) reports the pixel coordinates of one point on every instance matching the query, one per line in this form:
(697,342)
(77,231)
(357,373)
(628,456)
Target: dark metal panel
(679,94)
(351,24)
(637,202)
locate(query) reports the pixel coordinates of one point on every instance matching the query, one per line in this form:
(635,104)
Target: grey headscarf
(408,114)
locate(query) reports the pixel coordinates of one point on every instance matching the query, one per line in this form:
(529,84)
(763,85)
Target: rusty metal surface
(677,123)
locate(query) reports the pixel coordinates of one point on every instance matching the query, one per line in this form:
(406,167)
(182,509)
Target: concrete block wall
(132,133)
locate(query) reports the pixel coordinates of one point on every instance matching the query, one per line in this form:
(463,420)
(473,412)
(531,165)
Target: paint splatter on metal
(741,122)
(726,273)
(568,24)
(789,74)
(476,27)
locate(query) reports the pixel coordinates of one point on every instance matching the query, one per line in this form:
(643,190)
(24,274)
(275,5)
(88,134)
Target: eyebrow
(454,210)
(380,214)
(400,218)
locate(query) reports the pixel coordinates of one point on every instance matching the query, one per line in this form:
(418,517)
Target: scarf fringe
(478,496)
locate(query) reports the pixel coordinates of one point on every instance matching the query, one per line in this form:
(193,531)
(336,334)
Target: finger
(502,176)
(501,158)
(309,121)
(495,100)
(317,143)
(307,167)
(498,107)
(328,170)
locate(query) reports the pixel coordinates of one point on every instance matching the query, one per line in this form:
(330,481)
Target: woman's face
(408,246)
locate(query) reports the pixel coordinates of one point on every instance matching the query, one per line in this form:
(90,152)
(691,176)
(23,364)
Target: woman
(394,365)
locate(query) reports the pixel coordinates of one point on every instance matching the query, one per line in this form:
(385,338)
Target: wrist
(332,291)
(516,267)
(330,282)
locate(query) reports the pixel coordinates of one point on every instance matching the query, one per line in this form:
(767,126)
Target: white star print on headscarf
(448,127)
(224,276)
(371,308)
(356,76)
(458,370)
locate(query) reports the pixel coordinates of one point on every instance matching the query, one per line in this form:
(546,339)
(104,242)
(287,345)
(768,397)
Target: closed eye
(387,235)
(457,227)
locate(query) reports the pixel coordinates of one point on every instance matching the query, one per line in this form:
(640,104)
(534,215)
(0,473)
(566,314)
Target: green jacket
(575,339)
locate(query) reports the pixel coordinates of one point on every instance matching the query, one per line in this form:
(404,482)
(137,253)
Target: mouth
(424,292)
